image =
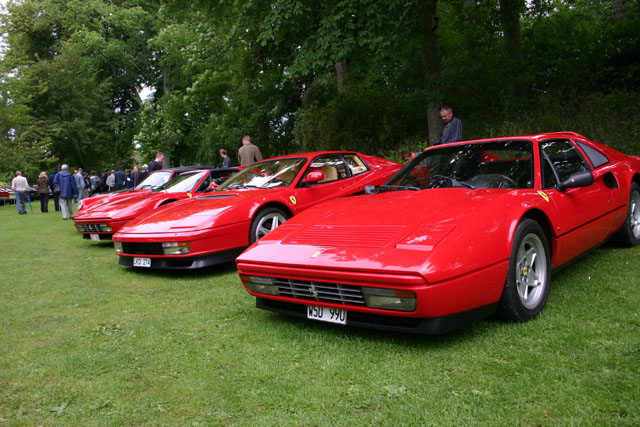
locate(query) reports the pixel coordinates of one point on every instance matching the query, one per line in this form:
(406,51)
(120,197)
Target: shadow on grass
(469,332)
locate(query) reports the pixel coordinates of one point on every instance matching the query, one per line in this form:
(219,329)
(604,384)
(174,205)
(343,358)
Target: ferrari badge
(544,195)
(293,199)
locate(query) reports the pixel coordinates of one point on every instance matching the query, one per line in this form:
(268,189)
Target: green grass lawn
(85,341)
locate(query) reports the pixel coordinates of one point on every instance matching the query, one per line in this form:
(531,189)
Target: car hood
(394,231)
(124,207)
(199,213)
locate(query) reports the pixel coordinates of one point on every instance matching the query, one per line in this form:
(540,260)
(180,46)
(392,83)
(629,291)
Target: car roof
(180,169)
(537,137)
(313,154)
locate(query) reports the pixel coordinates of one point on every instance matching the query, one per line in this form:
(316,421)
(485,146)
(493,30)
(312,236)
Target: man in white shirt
(20,185)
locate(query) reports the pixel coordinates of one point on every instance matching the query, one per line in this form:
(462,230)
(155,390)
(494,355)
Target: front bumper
(432,326)
(187,263)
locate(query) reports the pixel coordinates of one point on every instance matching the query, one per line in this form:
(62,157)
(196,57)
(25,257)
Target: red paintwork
(451,246)
(118,212)
(101,199)
(214,225)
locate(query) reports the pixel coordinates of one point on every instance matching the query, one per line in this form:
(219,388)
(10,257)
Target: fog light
(118,247)
(176,248)
(260,285)
(390,299)
(79,228)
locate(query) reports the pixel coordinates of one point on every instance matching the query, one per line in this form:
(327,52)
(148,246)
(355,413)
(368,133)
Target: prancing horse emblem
(313,292)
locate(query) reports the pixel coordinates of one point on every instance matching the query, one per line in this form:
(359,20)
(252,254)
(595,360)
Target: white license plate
(326,314)
(94,237)
(141,262)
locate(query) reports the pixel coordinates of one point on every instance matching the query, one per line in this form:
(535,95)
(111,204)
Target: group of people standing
(68,188)
(247,154)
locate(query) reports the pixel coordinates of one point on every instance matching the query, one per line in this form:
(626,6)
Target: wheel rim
(634,214)
(531,271)
(269,223)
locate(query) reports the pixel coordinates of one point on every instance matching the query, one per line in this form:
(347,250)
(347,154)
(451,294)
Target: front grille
(91,228)
(319,291)
(141,248)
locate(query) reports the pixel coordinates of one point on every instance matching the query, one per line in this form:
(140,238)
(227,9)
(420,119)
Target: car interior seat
(330,173)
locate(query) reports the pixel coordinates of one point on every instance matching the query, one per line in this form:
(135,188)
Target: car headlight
(176,248)
(260,284)
(118,247)
(390,299)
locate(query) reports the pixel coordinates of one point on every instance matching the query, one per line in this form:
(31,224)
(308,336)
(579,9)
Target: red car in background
(153,180)
(464,231)
(214,228)
(103,220)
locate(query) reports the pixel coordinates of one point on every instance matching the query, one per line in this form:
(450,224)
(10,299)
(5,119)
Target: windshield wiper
(370,189)
(453,180)
(241,186)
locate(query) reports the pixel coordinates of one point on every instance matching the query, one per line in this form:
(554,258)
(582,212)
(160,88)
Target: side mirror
(313,177)
(369,189)
(580,179)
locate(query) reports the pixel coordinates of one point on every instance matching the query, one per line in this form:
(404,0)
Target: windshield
(183,182)
(496,164)
(267,174)
(155,179)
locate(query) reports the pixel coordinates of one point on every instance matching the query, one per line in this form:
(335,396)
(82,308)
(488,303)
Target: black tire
(527,286)
(266,220)
(629,234)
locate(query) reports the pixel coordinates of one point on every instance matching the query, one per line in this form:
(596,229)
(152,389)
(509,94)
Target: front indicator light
(176,248)
(260,285)
(390,299)
(118,247)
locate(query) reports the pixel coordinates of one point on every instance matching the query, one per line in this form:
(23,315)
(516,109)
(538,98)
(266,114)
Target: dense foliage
(368,75)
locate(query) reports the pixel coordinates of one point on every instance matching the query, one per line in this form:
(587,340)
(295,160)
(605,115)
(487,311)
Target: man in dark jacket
(68,190)
(121,177)
(103,180)
(452,131)
(55,190)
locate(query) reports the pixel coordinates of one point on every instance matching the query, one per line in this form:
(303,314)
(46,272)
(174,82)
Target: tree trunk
(431,65)
(620,10)
(341,72)
(510,16)
(166,88)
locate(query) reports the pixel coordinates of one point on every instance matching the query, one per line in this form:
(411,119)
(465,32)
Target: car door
(580,219)
(340,179)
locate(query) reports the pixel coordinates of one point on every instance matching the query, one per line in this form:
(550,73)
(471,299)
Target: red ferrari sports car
(102,221)
(464,231)
(216,227)
(153,180)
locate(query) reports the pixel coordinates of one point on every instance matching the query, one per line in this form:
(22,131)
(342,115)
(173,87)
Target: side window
(204,186)
(565,160)
(355,164)
(596,157)
(331,165)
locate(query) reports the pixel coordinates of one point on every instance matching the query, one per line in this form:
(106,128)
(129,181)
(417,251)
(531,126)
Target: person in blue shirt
(452,131)
(68,190)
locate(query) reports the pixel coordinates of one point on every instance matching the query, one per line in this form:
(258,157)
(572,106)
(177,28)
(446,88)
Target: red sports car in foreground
(216,227)
(464,231)
(102,221)
(153,180)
